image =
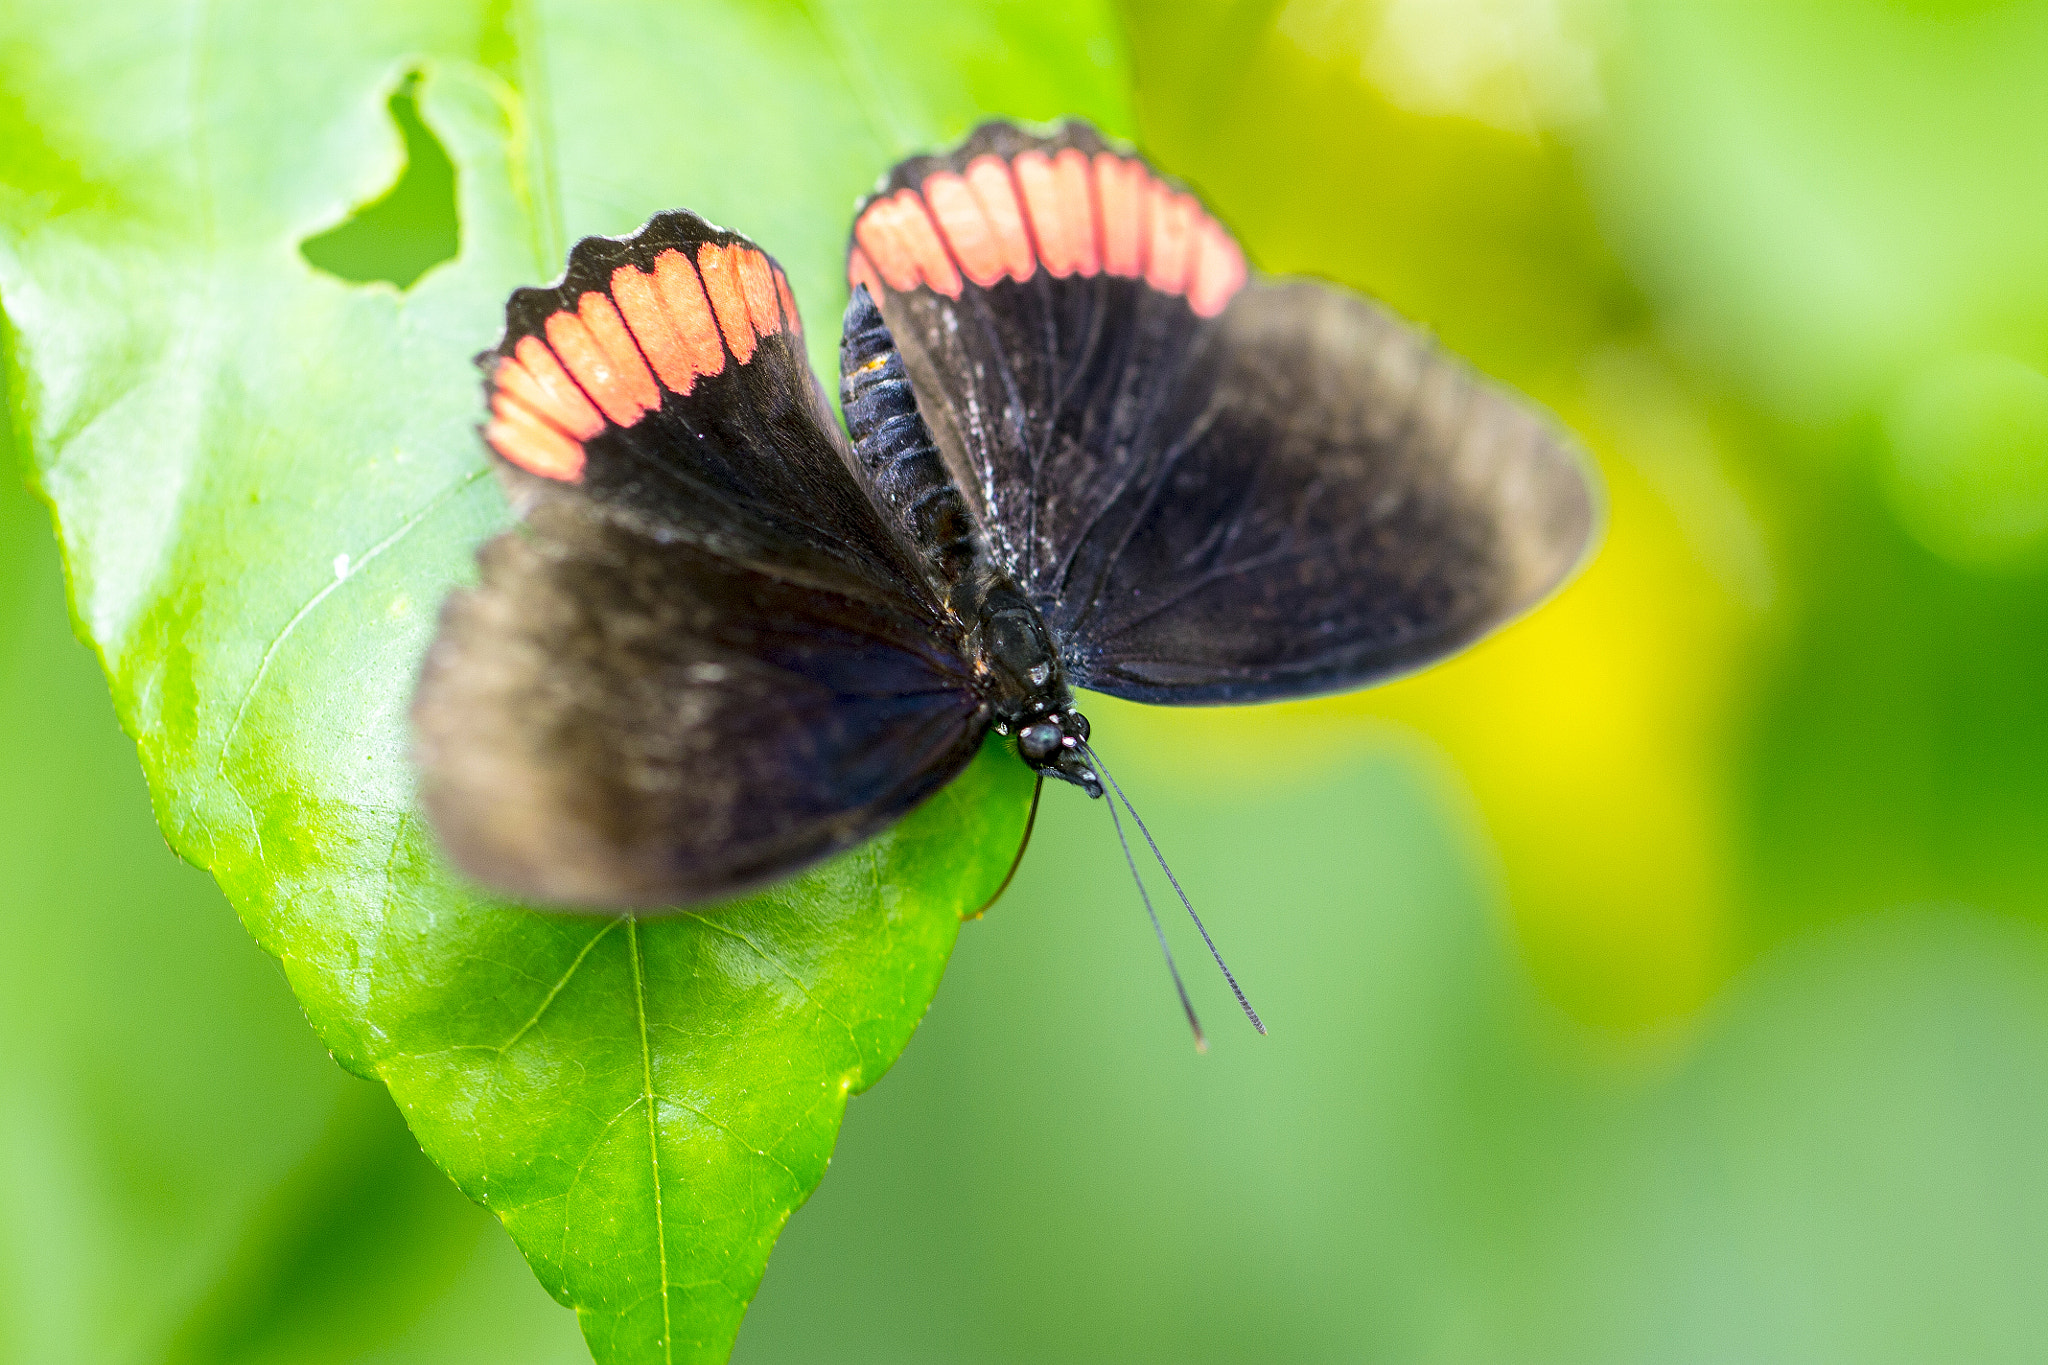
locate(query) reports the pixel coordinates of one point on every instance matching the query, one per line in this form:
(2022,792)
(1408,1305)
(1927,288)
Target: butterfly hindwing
(618,717)
(1215,489)
(704,659)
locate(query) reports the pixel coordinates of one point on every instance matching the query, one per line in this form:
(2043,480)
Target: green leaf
(185,1178)
(265,478)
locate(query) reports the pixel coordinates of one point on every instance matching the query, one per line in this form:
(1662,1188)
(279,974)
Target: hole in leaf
(410,228)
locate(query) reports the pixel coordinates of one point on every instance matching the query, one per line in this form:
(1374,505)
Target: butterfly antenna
(1201,1042)
(1139,820)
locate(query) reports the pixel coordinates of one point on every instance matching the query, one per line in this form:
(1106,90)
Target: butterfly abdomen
(892,442)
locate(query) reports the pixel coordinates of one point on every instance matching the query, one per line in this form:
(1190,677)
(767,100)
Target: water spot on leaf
(410,228)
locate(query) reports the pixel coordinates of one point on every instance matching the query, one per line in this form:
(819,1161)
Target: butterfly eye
(1039,741)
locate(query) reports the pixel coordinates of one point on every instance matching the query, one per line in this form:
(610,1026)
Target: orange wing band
(600,360)
(531,442)
(1063,213)
(796,323)
(757,282)
(720,267)
(1120,190)
(860,271)
(533,376)
(682,293)
(966,227)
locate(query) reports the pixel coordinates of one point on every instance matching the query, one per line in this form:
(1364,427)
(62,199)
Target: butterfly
(1084,448)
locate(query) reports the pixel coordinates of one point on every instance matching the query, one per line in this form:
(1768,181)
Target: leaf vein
(745,1145)
(791,976)
(403,529)
(556,989)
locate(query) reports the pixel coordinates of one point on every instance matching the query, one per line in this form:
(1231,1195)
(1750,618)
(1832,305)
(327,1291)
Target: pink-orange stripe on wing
(534,445)
(682,293)
(1171,250)
(966,227)
(720,269)
(1075,198)
(1048,224)
(757,282)
(1219,269)
(639,302)
(989,177)
(533,375)
(880,236)
(629,369)
(1120,190)
(860,273)
(914,227)
(796,323)
(591,368)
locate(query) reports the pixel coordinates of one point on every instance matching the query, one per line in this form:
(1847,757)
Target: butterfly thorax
(1019,669)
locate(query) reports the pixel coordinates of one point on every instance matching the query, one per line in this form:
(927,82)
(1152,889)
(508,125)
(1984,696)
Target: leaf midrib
(653,1132)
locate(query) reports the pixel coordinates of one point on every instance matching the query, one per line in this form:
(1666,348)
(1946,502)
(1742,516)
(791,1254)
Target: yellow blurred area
(1592,735)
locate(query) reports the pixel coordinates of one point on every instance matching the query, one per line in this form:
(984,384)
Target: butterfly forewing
(1214,489)
(705,659)
(666,373)
(1337,501)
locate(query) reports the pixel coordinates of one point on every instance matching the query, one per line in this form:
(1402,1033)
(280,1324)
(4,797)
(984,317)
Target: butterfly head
(1057,746)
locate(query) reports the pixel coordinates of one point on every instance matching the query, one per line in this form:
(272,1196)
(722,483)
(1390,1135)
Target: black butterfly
(1086,451)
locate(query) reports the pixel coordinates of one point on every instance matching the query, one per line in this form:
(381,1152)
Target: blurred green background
(1665,980)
